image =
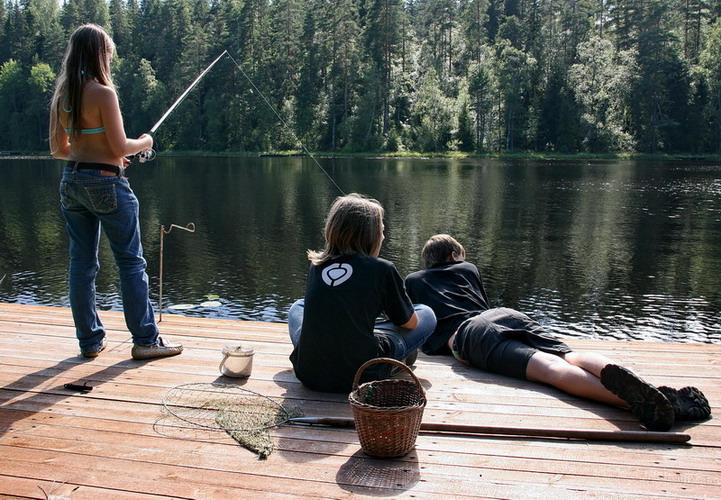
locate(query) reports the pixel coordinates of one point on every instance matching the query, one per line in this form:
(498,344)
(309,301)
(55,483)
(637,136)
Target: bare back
(105,140)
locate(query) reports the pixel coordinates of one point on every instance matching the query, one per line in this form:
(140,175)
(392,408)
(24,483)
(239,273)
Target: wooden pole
(160,276)
(586,434)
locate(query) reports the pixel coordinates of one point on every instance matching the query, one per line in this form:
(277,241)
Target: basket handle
(385,360)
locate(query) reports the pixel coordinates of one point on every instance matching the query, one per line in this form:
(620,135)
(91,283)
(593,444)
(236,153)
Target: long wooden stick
(587,434)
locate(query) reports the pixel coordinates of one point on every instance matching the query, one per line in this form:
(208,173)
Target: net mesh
(245,415)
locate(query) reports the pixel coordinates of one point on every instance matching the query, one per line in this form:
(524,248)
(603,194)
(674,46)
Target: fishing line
(150,154)
(285,124)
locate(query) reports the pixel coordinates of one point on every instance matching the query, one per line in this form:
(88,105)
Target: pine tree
(343,45)
(514,70)
(465,133)
(711,64)
(473,16)
(382,38)
(119,22)
(19,44)
(308,93)
(480,91)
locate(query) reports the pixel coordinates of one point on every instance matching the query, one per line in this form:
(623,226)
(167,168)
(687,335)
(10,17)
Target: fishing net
(245,415)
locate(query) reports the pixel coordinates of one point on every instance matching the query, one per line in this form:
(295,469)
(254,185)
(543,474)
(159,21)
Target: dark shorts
(502,341)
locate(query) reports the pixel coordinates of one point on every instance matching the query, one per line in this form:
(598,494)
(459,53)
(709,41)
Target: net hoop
(199,404)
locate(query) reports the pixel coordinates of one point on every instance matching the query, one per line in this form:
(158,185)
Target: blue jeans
(405,342)
(90,201)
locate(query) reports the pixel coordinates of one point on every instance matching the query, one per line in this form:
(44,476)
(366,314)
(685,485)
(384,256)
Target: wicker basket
(387,413)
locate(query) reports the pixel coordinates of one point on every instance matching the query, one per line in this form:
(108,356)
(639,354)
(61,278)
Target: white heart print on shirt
(336,274)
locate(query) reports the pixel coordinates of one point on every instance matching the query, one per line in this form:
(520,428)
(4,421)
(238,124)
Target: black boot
(688,403)
(645,401)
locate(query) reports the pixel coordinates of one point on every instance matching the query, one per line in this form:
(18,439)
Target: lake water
(600,249)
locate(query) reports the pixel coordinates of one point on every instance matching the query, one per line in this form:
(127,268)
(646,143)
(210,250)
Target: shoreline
(453,155)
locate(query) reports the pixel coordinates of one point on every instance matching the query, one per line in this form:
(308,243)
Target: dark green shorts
(502,341)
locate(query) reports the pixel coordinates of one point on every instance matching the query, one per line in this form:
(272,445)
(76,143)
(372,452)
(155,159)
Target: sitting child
(507,342)
(334,329)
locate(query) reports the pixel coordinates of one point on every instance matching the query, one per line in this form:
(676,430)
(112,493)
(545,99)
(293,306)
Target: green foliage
(12,97)
(711,67)
(432,117)
(481,90)
(514,69)
(465,135)
(601,81)
(372,75)
(40,86)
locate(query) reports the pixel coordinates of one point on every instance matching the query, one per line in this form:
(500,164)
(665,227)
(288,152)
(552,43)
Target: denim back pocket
(66,200)
(102,198)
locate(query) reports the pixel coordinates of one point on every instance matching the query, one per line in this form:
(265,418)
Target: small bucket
(237,361)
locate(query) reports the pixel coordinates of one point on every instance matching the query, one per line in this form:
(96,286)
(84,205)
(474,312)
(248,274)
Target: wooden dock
(114,441)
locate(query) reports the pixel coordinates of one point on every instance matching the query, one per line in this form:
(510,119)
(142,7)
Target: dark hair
(87,57)
(354,225)
(439,249)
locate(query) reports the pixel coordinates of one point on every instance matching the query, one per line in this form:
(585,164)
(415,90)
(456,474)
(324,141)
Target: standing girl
(86,128)
(334,329)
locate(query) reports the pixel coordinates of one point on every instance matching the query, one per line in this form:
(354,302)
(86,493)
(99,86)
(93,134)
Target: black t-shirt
(455,292)
(343,298)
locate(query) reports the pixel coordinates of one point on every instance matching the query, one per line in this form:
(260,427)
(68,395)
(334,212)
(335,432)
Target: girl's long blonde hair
(87,58)
(354,225)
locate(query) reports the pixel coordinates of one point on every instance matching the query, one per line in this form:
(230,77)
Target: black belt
(82,165)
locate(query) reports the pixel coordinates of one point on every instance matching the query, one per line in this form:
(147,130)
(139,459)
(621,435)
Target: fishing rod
(150,154)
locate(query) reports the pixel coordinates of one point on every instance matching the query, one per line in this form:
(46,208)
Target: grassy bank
(408,154)
(520,155)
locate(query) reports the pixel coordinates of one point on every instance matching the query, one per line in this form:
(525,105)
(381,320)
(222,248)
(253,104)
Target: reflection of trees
(544,235)
(598,243)
(31,226)
(251,218)
(677,235)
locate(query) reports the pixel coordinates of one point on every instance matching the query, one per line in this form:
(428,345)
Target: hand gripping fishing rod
(150,154)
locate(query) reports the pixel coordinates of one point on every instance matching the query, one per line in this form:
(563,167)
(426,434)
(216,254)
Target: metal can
(237,361)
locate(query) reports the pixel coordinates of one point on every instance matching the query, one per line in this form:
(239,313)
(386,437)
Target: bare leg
(589,361)
(563,375)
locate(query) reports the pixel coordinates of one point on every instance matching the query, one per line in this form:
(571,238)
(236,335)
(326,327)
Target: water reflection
(597,249)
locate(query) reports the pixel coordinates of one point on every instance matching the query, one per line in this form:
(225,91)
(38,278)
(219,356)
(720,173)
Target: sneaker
(645,401)
(94,354)
(162,349)
(410,359)
(688,403)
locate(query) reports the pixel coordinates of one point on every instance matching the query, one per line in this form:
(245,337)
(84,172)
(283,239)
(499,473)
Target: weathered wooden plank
(48,488)
(137,418)
(217,461)
(114,445)
(456,397)
(324,441)
(119,429)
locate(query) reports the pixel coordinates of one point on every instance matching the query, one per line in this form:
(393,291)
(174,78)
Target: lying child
(507,342)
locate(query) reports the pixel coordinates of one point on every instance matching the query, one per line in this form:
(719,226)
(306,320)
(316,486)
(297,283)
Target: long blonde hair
(87,58)
(354,225)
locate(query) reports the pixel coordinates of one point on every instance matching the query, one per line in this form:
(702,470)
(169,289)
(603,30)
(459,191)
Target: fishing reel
(148,155)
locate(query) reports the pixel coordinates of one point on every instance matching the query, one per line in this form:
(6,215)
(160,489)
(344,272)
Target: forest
(476,76)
